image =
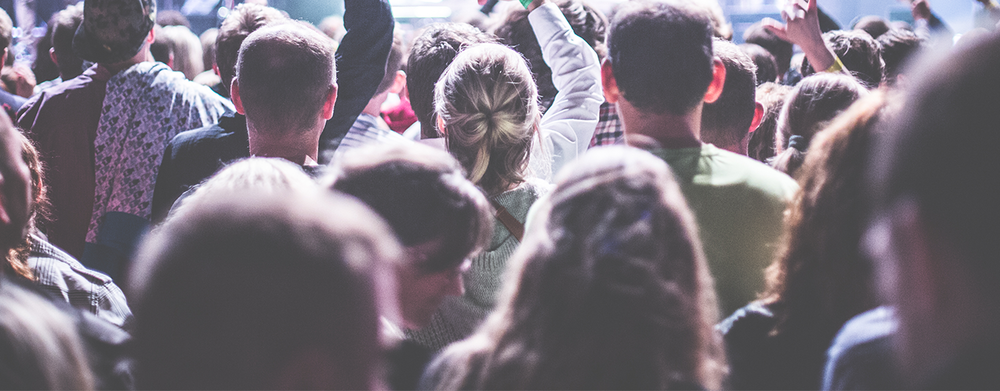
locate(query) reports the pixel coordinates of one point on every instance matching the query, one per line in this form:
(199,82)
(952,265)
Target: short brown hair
(423,194)
(245,19)
(285,73)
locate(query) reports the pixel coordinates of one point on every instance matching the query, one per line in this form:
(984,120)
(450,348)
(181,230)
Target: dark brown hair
(816,100)
(661,55)
(726,121)
(423,195)
(860,53)
(431,52)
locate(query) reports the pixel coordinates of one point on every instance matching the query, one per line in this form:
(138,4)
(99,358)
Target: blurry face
(15,188)
(420,292)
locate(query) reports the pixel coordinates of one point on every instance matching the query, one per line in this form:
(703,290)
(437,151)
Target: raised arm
(576,73)
(801,27)
(361,59)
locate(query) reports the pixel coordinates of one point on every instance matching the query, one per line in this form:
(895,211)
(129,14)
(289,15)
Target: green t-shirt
(739,204)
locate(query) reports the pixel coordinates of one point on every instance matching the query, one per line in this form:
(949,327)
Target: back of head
(248,290)
(243,20)
(779,48)
(726,121)
(393,63)
(772,96)
(488,104)
(661,54)
(938,156)
(875,26)
(186,49)
(815,101)
(423,195)
(65,23)
(767,67)
(39,345)
(898,47)
(114,32)
(515,31)
(859,52)
(208,38)
(285,73)
(610,290)
(431,52)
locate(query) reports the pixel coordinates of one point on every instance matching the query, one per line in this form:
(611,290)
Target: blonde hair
(266,175)
(488,103)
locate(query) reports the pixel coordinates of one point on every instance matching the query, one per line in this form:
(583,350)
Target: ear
(215,68)
(758,113)
(52,55)
(440,126)
(234,94)
(718,81)
(331,100)
(398,83)
(608,82)
(152,35)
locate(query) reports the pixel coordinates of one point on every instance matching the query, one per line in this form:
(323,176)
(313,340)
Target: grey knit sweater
(459,316)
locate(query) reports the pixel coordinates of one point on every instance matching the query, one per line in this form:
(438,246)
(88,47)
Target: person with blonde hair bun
(486,105)
(610,290)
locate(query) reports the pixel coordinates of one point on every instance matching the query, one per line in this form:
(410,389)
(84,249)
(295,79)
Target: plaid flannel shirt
(59,273)
(610,129)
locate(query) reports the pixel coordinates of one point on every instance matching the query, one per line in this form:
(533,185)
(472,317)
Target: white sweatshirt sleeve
(568,126)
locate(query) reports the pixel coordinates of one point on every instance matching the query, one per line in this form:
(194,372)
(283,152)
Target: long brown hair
(17,257)
(820,280)
(610,290)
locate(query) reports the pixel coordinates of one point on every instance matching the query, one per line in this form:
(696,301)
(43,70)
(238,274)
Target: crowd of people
(558,199)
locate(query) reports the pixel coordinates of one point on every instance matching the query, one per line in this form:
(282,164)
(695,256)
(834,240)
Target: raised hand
(801,27)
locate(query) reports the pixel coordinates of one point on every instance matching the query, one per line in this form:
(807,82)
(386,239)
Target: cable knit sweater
(459,316)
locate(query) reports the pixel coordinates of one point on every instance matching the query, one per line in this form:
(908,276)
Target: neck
(299,147)
(142,56)
(670,131)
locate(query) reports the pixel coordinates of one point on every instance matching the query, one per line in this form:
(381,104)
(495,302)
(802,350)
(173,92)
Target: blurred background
(30,16)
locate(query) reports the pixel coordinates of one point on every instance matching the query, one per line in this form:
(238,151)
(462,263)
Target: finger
(776,27)
(812,6)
